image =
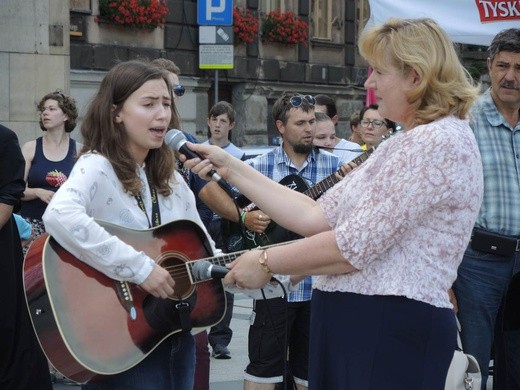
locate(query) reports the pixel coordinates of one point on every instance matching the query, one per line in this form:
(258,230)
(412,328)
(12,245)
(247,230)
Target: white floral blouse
(404,217)
(93,192)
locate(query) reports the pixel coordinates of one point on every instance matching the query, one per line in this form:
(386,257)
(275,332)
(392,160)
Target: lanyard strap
(156,214)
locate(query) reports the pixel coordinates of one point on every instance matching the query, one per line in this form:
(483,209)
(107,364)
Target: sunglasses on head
(58,93)
(179,90)
(297,101)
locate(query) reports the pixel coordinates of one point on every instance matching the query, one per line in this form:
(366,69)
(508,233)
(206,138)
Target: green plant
(477,69)
(284,27)
(141,14)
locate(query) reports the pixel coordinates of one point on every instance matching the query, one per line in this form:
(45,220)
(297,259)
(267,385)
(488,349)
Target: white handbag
(464,371)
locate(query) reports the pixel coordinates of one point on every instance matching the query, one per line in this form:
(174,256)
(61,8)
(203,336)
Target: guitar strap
(161,315)
(156,213)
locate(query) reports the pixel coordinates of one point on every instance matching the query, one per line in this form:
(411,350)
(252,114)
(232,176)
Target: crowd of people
(382,260)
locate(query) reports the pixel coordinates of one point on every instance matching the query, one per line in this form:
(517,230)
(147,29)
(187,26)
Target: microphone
(203,270)
(176,140)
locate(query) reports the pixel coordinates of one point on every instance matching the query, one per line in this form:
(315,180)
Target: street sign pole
(216,51)
(216,86)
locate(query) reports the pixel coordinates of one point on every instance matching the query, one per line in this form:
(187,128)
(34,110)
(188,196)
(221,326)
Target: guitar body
(236,239)
(81,323)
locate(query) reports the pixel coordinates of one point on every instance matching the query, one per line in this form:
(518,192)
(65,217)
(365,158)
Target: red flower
(284,27)
(141,14)
(245,25)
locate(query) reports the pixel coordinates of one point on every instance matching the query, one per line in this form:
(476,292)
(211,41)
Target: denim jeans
(201,361)
(480,289)
(170,366)
(222,333)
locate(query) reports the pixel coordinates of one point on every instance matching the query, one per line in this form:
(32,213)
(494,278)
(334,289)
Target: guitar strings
(216,261)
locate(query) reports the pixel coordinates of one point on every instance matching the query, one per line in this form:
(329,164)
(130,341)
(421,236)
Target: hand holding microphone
(176,140)
(203,270)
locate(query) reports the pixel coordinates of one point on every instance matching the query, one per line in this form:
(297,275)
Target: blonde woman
(389,237)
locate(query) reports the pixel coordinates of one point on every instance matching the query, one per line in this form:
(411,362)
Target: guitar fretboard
(317,190)
(223,260)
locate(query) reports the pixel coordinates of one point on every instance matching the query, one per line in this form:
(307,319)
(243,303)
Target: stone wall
(34,59)
(262,71)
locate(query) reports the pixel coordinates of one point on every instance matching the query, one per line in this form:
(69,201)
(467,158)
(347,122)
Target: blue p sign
(215,12)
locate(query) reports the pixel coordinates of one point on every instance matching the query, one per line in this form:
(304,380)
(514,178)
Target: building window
(272,5)
(322,19)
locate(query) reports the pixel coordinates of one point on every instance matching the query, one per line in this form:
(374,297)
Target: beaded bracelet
(262,259)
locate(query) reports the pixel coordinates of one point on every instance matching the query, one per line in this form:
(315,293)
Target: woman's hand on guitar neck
(159,283)
(256,221)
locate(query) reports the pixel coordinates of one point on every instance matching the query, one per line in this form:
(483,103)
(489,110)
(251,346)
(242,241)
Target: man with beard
(294,118)
(493,257)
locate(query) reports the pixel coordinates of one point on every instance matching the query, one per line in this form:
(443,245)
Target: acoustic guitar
(238,237)
(90,325)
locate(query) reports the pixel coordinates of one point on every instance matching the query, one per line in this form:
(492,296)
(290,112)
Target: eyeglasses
(376,124)
(297,101)
(179,90)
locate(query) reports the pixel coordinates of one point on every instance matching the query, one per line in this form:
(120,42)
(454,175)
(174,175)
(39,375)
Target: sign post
(216,50)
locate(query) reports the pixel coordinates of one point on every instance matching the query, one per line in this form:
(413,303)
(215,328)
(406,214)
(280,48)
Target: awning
(473,22)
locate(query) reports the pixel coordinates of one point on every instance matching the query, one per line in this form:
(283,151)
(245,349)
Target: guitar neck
(317,190)
(227,258)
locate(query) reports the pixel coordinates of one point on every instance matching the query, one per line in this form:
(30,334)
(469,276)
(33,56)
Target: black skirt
(361,342)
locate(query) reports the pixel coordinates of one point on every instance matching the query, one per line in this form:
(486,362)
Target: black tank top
(46,174)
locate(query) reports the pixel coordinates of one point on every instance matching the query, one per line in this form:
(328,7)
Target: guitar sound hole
(179,272)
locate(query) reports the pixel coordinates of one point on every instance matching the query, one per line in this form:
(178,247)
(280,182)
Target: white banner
(473,22)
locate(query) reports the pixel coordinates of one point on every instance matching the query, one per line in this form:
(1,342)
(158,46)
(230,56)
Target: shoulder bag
(464,371)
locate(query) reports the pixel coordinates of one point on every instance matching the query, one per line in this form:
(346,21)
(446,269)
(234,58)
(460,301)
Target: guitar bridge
(125,297)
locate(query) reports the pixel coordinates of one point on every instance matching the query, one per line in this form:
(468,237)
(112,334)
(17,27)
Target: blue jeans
(170,366)
(222,333)
(480,289)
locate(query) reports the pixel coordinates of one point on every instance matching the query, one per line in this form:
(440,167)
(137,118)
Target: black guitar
(236,238)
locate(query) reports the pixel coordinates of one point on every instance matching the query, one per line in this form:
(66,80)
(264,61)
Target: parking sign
(215,12)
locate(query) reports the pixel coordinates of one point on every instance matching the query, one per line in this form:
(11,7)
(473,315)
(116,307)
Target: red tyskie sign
(498,10)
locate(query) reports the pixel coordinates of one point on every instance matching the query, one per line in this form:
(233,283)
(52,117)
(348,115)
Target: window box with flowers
(245,26)
(285,28)
(144,15)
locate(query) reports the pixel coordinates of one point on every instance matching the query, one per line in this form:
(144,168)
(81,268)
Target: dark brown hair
(67,105)
(101,134)
(282,106)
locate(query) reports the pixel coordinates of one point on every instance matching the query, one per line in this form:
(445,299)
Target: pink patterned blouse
(404,217)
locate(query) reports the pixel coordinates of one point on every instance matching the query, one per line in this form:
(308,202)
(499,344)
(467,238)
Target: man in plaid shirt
(493,256)
(294,118)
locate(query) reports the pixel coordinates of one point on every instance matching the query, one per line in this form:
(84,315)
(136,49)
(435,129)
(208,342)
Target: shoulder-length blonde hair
(103,135)
(445,87)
